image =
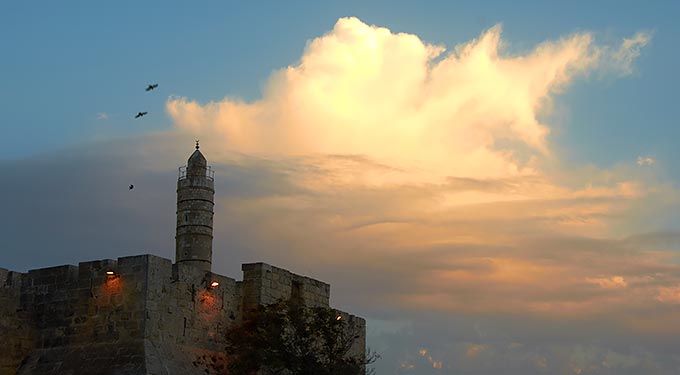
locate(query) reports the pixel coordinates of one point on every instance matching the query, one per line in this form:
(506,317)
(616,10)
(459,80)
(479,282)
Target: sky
(490,184)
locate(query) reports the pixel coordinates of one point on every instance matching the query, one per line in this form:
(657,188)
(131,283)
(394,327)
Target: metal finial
(197,146)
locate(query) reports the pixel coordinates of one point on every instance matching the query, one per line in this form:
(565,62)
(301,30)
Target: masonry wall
(15,326)
(265,284)
(149,317)
(85,320)
(357,329)
(187,317)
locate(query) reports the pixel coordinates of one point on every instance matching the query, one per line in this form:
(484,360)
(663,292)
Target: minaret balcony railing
(209,173)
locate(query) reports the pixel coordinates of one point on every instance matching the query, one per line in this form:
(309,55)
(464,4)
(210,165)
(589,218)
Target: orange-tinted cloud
(419,179)
(435,164)
(363,90)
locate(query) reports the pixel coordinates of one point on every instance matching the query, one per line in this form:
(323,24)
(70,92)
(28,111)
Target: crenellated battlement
(264,284)
(152,313)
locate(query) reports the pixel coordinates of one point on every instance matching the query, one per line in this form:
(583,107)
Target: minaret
(195,203)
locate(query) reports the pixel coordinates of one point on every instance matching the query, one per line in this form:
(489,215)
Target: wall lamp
(111,274)
(209,282)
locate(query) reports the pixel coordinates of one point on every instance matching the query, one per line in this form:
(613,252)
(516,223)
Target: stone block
(4,273)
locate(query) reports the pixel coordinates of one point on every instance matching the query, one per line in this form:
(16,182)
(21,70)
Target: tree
(286,338)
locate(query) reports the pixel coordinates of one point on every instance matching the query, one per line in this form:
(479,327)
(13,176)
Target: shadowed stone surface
(150,317)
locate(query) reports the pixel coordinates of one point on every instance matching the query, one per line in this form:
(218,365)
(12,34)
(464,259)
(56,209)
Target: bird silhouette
(140,114)
(151,87)
(131,187)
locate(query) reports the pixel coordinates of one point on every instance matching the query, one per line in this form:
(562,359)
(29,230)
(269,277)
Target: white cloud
(645,160)
(608,282)
(623,57)
(363,90)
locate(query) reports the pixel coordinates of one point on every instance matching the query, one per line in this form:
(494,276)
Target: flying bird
(131,187)
(151,87)
(140,114)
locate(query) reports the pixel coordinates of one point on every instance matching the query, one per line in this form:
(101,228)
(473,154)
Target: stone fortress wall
(16,330)
(150,317)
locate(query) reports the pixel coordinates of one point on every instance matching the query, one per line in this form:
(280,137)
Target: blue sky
(510,206)
(66,62)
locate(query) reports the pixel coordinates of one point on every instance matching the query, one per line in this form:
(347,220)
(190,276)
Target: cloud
(645,160)
(427,184)
(625,55)
(102,116)
(363,90)
(608,282)
(669,295)
(491,273)
(475,349)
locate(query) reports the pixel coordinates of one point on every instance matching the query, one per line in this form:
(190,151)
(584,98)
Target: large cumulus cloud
(360,89)
(429,185)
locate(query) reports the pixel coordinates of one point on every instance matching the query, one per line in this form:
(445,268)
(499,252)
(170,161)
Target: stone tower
(195,203)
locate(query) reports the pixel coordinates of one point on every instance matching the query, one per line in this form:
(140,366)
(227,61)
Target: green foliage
(284,338)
